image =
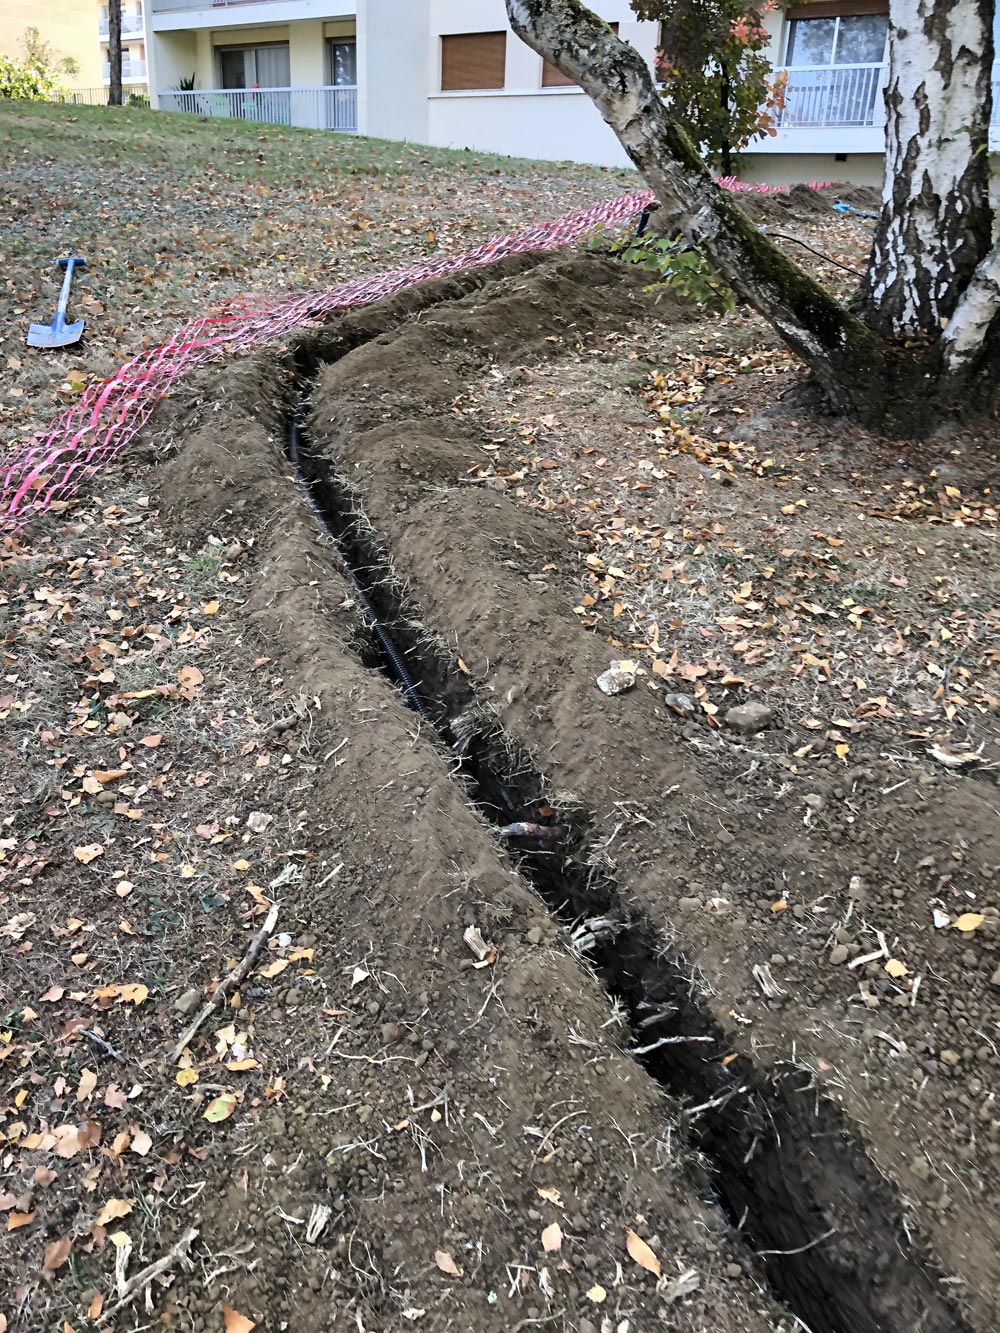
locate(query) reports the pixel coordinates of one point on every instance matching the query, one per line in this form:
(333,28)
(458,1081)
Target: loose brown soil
(402,1120)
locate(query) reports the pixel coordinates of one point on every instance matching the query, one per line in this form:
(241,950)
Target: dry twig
(139,1281)
(230,982)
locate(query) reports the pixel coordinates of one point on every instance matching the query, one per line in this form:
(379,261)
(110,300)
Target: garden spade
(59,333)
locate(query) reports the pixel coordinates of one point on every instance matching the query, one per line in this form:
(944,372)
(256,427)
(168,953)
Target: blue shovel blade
(45,335)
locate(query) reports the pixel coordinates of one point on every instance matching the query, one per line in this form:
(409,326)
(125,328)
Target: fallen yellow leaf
(642,1254)
(235,1322)
(969,921)
(89,853)
(446,1263)
(220,1108)
(113,1209)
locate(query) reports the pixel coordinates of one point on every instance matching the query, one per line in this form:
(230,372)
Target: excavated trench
(831,1237)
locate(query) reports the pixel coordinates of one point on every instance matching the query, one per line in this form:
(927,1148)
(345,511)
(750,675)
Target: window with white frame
(847,39)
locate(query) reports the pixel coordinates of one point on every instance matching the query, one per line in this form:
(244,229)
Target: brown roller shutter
(554,78)
(473,60)
(837,9)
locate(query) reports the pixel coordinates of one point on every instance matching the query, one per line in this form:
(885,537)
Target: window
(342,63)
(835,53)
(554,78)
(255,66)
(837,39)
(473,60)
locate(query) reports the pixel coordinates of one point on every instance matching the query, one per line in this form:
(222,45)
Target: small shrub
(24,81)
(680,268)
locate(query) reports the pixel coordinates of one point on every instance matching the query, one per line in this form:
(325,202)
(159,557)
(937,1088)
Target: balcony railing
(172,6)
(131,69)
(131,23)
(134,94)
(816,95)
(308,108)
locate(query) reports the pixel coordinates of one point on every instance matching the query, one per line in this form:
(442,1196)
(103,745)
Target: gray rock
(749,718)
(839,954)
(680,704)
(188,1002)
(619,677)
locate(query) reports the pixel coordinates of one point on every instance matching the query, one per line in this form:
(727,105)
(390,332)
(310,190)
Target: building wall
(790,168)
(394,69)
(170,57)
(522,118)
(69,26)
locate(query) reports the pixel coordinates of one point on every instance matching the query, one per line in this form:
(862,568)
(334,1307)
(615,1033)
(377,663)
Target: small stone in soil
(188,1002)
(680,704)
(619,677)
(748,719)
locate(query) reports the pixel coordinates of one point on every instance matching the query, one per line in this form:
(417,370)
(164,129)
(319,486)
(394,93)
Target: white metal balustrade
(307,108)
(173,6)
(131,69)
(849,95)
(131,24)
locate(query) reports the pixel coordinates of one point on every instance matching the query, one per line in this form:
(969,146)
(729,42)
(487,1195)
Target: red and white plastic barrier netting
(91,433)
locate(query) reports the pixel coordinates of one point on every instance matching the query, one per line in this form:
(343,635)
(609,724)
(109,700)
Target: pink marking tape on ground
(89,435)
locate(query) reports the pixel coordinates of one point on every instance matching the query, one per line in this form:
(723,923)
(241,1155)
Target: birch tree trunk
(115,52)
(925,337)
(936,222)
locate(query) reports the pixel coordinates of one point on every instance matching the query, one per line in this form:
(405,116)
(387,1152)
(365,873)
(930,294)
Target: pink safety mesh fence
(90,434)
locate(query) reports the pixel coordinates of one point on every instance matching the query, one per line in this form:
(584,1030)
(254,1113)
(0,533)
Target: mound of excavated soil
(759,875)
(463,1116)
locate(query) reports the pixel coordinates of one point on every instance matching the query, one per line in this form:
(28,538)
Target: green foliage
(714,72)
(40,55)
(24,82)
(185,84)
(680,268)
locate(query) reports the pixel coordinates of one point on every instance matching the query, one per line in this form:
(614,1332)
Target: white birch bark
(935,224)
(977,313)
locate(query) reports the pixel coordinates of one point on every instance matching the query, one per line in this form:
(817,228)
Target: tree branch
(825,335)
(965,334)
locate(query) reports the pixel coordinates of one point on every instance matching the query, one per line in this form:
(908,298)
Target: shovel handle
(69,265)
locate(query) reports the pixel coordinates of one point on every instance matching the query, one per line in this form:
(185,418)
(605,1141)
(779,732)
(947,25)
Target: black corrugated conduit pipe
(393,658)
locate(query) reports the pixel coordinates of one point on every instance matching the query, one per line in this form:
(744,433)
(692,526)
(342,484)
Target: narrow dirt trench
(786,1168)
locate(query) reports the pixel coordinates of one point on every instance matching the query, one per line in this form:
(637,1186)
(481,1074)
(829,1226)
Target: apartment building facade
(133,43)
(451,73)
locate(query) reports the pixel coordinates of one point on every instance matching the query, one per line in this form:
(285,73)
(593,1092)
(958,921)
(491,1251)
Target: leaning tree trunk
(864,367)
(115,52)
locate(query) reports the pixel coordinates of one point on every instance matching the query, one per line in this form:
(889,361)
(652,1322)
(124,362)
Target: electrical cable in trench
(395,663)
